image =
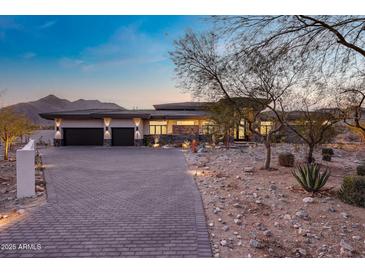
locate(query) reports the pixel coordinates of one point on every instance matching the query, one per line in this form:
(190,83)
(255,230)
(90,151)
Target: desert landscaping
(11,208)
(253,212)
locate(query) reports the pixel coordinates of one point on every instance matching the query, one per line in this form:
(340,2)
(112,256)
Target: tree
(266,78)
(225,119)
(12,125)
(310,121)
(350,102)
(206,73)
(333,46)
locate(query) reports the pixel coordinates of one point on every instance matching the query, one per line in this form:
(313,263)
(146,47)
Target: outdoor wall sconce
(57,128)
(106,128)
(136,128)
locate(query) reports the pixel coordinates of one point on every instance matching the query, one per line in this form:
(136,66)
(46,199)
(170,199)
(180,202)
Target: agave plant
(310,177)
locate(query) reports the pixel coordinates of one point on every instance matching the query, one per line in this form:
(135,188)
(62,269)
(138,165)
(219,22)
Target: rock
(302,214)
(220,220)
(237,221)
(216,255)
(39,188)
(344,215)
(223,243)
(254,195)
(237,205)
(20,211)
(356,238)
(308,200)
(332,209)
(239,243)
(239,216)
(287,217)
(273,187)
(258,202)
(268,233)
(249,169)
(276,224)
(211,224)
(300,251)
(225,228)
(216,210)
(238,177)
(346,245)
(256,244)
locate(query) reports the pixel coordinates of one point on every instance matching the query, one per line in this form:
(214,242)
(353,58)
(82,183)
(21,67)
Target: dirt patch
(257,213)
(11,208)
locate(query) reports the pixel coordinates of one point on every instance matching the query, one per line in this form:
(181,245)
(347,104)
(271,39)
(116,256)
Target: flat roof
(125,114)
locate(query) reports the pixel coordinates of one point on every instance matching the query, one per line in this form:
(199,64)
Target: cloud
(70,63)
(128,45)
(47,24)
(29,55)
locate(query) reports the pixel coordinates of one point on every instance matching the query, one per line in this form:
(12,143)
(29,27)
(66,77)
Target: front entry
(123,136)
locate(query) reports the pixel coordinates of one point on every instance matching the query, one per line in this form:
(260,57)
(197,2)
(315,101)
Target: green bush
(360,170)
(353,190)
(286,159)
(327,151)
(310,177)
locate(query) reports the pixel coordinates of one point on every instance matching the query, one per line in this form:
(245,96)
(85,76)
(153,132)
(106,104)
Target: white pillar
(25,171)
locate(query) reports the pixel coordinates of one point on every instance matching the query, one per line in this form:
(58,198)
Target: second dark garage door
(123,136)
(83,136)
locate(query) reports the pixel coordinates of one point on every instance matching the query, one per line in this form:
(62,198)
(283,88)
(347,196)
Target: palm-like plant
(310,177)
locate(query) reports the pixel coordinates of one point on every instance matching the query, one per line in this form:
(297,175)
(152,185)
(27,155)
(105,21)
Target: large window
(158,127)
(185,122)
(265,127)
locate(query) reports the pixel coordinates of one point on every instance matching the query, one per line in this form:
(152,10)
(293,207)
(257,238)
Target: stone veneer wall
(174,139)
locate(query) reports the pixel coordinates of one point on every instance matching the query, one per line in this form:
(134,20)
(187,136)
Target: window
(265,127)
(158,127)
(185,123)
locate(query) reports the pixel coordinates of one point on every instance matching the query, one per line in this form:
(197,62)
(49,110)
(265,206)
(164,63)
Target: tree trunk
(310,158)
(267,143)
(6,150)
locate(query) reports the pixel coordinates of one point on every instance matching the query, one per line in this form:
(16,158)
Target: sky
(120,59)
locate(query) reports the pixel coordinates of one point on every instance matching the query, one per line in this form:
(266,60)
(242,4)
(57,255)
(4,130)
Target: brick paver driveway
(114,202)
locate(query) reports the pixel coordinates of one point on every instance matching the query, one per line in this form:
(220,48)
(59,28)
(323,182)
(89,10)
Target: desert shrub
(286,159)
(327,151)
(353,190)
(326,157)
(310,177)
(360,170)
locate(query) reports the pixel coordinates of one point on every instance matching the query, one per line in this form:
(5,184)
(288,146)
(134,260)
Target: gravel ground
(257,213)
(10,206)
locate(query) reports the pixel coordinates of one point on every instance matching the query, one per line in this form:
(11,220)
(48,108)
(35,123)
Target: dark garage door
(83,136)
(123,136)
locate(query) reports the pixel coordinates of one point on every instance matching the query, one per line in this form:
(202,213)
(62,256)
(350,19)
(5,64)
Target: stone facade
(174,139)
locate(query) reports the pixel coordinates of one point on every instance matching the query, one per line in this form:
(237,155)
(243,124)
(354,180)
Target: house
(166,123)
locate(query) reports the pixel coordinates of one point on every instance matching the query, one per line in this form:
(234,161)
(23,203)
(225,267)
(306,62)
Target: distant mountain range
(52,103)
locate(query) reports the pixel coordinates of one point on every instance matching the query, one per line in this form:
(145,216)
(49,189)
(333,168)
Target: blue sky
(122,59)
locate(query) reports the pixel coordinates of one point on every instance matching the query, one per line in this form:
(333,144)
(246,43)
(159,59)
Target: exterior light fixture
(58,128)
(136,128)
(106,128)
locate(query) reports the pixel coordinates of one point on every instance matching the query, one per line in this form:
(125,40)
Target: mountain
(52,103)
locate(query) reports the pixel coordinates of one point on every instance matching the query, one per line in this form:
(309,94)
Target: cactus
(310,177)
(286,159)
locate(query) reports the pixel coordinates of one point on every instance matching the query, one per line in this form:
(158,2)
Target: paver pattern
(113,202)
